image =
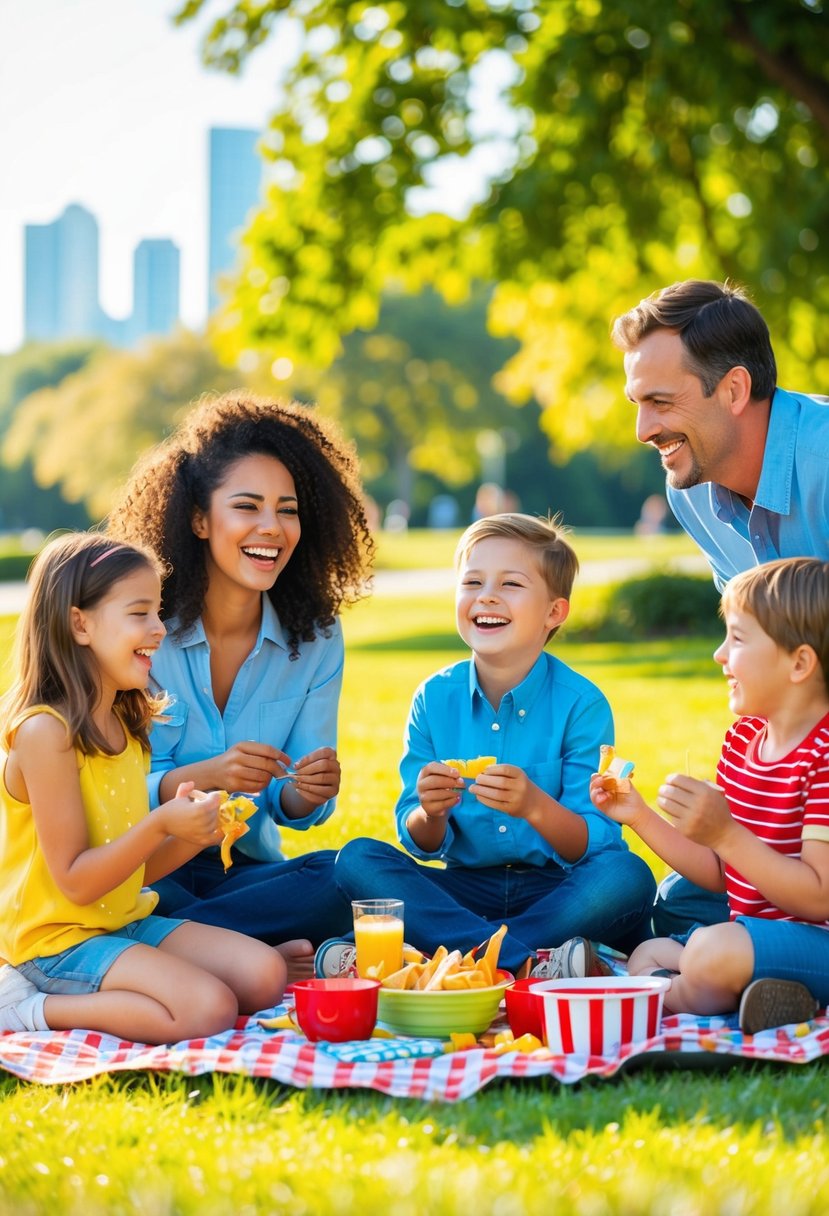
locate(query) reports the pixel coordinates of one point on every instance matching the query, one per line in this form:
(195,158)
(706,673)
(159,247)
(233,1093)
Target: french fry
(614,769)
(492,951)
(232,815)
(445,968)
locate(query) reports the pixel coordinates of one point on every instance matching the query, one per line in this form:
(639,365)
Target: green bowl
(439,1014)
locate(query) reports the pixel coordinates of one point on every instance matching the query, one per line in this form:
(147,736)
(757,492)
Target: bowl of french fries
(447,994)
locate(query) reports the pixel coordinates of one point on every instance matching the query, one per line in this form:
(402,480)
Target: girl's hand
(507,788)
(438,789)
(698,809)
(621,808)
(317,776)
(192,816)
(247,767)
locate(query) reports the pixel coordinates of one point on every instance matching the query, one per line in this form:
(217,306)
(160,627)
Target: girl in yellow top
(78,845)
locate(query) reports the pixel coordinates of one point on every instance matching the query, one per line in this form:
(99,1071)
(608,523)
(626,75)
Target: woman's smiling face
(252,523)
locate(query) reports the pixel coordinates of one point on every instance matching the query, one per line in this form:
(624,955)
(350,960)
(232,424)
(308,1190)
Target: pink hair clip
(106,553)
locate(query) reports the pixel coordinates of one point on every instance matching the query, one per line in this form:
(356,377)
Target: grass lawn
(747,1142)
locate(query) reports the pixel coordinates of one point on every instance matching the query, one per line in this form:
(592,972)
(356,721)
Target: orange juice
(379,939)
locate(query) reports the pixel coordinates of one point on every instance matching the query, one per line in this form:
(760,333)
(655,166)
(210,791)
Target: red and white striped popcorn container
(599,1015)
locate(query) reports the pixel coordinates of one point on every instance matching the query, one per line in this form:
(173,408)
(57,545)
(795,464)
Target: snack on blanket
(232,815)
(471,768)
(615,768)
(448,971)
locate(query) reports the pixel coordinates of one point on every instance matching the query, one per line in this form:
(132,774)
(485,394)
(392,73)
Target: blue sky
(105,103)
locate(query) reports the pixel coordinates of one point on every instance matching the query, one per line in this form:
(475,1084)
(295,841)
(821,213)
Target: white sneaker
(575,959)
(14,990)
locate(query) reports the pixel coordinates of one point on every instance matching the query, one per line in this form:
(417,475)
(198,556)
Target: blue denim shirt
(551,726)
(290,704)
(790,515)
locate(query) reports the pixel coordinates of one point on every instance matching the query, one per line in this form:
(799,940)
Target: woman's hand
(317,776)
(438,789)
(247,767)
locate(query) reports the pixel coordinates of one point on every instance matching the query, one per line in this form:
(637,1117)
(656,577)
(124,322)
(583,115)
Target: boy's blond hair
(790,601)
(557,560)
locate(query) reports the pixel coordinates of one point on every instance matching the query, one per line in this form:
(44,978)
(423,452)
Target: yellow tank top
(37,918)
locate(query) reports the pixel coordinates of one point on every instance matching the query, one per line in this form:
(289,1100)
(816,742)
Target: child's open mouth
(489,622)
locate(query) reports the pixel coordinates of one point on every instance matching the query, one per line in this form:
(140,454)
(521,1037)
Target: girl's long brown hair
(75,570)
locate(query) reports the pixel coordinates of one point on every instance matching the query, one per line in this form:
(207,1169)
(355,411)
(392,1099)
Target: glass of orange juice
(378,934)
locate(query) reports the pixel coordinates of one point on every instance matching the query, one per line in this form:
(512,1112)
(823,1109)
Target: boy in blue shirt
(522,843)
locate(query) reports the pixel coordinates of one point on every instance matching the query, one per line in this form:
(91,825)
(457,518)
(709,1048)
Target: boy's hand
(621,808)
(507,788)
(192,816)
(318,775)
(438,789)
(698,809)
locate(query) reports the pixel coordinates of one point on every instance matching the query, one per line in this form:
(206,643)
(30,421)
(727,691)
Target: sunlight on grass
(748,1141)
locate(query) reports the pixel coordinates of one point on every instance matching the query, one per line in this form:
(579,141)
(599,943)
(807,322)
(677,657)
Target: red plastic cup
(525,1009)
(336,1010)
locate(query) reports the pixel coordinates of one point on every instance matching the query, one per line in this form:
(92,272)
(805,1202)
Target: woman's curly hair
(330,564)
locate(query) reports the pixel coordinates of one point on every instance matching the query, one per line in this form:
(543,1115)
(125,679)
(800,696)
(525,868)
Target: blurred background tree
(415,394)
(615,148)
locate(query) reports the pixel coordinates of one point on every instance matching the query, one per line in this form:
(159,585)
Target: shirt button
(522,713)
(502,828)
(495,726)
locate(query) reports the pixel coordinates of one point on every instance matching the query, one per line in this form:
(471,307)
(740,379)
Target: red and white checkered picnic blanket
(401,1067)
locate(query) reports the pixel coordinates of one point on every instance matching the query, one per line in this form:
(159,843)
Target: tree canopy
(622,147)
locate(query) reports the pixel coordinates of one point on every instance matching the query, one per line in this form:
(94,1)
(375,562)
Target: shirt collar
(774,490)
(525,693)
(270,629)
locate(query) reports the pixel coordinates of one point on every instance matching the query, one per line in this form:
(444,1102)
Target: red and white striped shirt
(783,802)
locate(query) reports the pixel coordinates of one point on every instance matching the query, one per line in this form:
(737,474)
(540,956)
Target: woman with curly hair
(255,508)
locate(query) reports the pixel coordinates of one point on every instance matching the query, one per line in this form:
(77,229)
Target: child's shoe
(21,1003)
(769,1003)
(336,956)
(575,959)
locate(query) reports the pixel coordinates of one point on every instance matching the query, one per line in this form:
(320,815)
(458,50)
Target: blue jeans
(681,906)
(607,898)
(271,900)
(788,950)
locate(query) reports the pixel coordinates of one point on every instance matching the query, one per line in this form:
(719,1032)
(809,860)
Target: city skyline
(111,110)
(62,297)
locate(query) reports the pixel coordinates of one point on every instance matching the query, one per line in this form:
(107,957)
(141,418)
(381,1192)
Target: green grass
(748,1141)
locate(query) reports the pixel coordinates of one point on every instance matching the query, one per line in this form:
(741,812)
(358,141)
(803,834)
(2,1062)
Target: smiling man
(746,462)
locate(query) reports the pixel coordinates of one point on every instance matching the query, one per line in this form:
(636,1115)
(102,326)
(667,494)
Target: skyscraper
(155,288)
(61,284)
(61,267)
(235,177)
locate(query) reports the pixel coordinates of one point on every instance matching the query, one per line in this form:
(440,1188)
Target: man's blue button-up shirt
(790,514)
(551,726)
(289,704)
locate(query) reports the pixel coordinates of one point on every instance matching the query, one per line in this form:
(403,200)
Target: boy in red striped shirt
(761,833)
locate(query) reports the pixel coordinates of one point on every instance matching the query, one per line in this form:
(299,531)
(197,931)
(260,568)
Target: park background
(611,149)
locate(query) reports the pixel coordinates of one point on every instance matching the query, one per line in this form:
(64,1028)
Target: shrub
(14,566)
(662,605)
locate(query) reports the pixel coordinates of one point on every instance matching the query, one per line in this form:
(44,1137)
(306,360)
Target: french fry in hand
(449,971)
(614,769)
(232,815)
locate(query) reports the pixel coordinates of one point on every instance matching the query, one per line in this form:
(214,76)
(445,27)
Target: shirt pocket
(168,729)
(546,776)
(277,720)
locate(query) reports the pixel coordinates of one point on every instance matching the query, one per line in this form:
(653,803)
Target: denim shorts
(81,968)
(790,950)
